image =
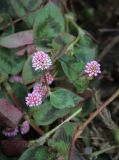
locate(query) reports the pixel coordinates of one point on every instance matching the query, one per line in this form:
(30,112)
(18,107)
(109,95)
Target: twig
(72,145)
(109,30)
(60,78)
(92,116)
(114,41)
(46,83)
(97,153)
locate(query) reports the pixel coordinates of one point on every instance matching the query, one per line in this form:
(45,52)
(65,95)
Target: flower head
(10,132)
(33,99)
(40,89)
(92,69)
(41,61)
(48,77)
(25,127)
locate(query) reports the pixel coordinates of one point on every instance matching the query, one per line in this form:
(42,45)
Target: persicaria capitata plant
(49,79)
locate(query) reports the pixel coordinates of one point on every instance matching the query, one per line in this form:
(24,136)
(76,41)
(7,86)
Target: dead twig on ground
(80,129)
(114,41)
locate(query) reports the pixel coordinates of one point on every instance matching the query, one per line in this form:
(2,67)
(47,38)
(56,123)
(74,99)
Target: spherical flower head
(40,88)
(10,132)
(41,60)
(48,77)
(25,127)
(92,68)
(33,99)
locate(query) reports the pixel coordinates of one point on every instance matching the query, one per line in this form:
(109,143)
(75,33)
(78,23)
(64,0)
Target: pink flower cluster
(40,88)
(41,60)
(10,132)
(33,99)
(39,91)
(25,127)
(48,77)
(92,68)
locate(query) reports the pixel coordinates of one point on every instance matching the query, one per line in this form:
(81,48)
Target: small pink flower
(16,79)
(39,88)
(48,77)
(10,132)
(25,127)
(92,69)
(41,60)
(33,99)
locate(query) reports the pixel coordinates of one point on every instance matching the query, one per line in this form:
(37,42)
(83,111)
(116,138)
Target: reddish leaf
(17,40)
(9,115)
(13,147)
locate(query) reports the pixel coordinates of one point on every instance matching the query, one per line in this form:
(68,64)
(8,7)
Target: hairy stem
(46,83)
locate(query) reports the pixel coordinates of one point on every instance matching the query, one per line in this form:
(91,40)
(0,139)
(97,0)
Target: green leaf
(19,88)
(48,23)
(10,62)
(29,74)
(81,84)
(52,156)
(65,62)
(75,70)
(41,153)
(63,98)
(3,75)
(61,147)
(3,94)
(61,140)
(6,7)
(85,40)
(69,128)
(61,40)
(31,4)
(46,114)
(71,67)
(85,54)
(86,50)
(35,153)
(4,20)
(28,154)
(22,7)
